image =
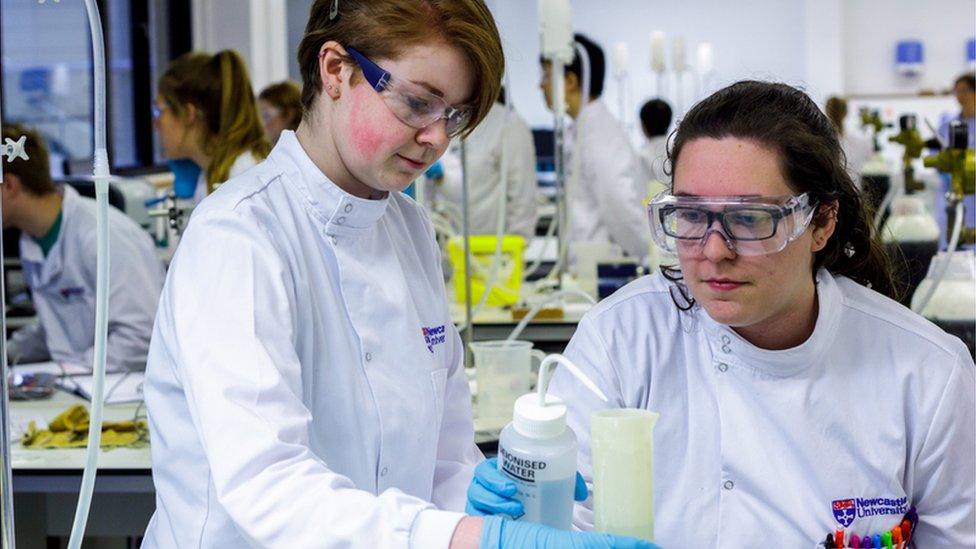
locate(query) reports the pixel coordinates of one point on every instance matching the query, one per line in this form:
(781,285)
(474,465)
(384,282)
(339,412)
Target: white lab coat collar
(30,250)
(341,213)
(734,349)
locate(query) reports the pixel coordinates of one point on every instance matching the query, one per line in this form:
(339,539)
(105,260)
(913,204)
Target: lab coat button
(341,220)
(384,472)
(726,339)
(722,367)
(726,349)
(728,485)
(369,357)
(348,208)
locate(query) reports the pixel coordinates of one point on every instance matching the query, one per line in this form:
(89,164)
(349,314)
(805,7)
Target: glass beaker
(503,370)
(623,471)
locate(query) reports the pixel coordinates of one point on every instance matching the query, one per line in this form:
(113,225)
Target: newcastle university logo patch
(434,336)
(847,510)
(844,511)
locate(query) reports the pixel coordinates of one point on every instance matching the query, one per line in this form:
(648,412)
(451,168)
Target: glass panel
(47,75)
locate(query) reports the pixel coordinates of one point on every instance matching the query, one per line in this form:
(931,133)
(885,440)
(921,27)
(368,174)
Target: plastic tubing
(539,306)
(560,258)
(944,267)
(577,153)
(889,197)
(101,176)
(496,263)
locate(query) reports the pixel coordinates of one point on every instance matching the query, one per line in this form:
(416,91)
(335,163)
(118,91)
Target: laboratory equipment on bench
(911,235)
(910,138)
(506,267)
(952,304)
(947,296)
(537,450)
(622,445)
(959,162)
(503,372)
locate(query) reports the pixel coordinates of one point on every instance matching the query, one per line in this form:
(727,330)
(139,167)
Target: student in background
(499,134)
(58,257)
(655,117)
(281,108)
(606,178)
(208,120)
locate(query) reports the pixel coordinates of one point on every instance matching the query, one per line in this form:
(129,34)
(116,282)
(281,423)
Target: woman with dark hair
(796,397)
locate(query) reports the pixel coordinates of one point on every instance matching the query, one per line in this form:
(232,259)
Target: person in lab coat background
(655,118)
(796,397)
(607,181)
(281,108)
(306,385)
(208,121)
(502,132)
(858,146)
(57,253)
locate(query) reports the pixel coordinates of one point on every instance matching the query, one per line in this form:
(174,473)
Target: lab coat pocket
(439,380)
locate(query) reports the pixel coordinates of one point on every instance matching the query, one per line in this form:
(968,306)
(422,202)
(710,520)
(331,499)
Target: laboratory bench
(46,482)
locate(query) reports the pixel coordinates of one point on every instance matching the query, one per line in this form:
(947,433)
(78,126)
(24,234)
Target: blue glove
(186,173)
(493,493)
(435,171)
(499,533)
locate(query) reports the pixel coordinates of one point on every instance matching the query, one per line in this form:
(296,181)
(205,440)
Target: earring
(849,250)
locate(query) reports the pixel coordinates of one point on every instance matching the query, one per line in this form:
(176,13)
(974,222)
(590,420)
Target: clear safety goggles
(749,225)
(411,103)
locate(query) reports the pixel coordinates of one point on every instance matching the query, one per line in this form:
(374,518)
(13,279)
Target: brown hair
(382,29)
(287,98)
(786,120)
(219,87)
(35,172)
(836,109)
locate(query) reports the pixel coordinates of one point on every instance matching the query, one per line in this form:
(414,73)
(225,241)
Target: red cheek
(367,129)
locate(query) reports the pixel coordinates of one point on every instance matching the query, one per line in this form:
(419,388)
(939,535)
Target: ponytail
(219,87)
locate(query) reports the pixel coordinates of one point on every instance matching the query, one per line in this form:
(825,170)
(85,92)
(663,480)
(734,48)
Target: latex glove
(186,173)
(499,533)
(493,493)
(435,171)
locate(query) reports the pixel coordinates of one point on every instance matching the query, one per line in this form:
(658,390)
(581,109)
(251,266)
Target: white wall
(873,27)
(751,39)
(255,28)
(826,46)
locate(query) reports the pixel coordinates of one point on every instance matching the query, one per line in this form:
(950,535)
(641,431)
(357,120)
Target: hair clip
(334,11)
(849,249)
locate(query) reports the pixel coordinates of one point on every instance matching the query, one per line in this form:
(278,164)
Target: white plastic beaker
(503,370)
(623,471)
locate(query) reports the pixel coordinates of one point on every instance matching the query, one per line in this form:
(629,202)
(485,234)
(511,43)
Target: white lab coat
(753,447)
(606,199)
(244,162)
(305,384)
(63,289)
(484,155)
(654,156)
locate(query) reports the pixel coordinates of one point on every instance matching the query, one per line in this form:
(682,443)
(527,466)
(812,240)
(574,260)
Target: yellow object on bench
(70,430)
(507,287)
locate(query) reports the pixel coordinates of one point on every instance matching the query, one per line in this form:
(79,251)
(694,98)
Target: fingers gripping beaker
(503,370)
(623,472)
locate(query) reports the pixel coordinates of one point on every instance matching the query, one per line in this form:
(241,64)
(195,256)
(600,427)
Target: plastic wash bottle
(537,450)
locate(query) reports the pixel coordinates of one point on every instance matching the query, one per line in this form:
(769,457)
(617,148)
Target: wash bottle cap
(540,415)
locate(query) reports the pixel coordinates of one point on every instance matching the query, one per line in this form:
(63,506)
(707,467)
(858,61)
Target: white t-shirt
(873,414)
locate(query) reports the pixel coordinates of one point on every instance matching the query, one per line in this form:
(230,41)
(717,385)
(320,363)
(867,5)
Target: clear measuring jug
(503,371)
